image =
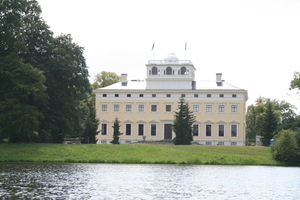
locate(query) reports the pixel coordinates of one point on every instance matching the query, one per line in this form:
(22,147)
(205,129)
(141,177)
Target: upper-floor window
(116,95)
(153,108)
(233,108)
(104,107)
(183,70)
(168,95)
(169,71)
(208,95)
(116,107)
(221,95)
(141,107)
(104,95)
(221,108)
(208,108)
(233,95)
(128,95)
(141,95)
(168,108)
(128,108)
(154,70)
(196,108)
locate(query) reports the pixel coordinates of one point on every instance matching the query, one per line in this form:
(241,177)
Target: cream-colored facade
(146,108)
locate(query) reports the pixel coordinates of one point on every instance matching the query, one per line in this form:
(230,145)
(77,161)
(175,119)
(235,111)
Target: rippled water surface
(120,181)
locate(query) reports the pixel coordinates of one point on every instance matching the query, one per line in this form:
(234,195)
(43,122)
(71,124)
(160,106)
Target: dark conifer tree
(116,134)
(269,124)
(182,124)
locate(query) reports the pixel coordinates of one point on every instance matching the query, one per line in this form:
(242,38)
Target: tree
(67,85)
(286,147)
(116,134)
(104,79)
(182,124)
(295,83)
(23,40)
(22,95)
(269,124)
(89,120)
(285,117)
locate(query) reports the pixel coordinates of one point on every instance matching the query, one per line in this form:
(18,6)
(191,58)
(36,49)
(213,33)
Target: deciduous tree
(104,79)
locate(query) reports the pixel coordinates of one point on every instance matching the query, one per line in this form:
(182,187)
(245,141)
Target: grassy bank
(152,154)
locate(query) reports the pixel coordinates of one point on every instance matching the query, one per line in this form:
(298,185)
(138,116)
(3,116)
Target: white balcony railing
(177,62)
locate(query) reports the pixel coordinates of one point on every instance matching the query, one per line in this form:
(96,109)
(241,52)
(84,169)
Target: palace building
(145,108)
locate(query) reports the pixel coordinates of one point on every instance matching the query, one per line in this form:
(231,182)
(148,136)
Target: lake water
(122,181)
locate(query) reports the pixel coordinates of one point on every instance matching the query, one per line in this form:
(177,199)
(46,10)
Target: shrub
(286,147)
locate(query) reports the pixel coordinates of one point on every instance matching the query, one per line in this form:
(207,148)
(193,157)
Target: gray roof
(141,85)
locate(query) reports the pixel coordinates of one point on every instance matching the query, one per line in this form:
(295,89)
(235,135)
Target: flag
(185,45)
(153,46)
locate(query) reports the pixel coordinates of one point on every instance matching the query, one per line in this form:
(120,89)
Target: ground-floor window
(221,130)
(208,130)
(195,130)
(141,129)
(153,129)
(233,130)
(128,129)
(103,129)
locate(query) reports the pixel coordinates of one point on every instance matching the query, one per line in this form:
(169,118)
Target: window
(233,143)
(104,95)
(208,108)
(103,129)
(128,95)
(208,95)
(221,108)
(141,95)
(116,95)
(182,95)
(233,95)
(116,107)
(195,130)
(169,71)
(128,129)
(153,108)
(233,130)
(221,143)
(208,130)
(195,108)
(195,95)
(153,129)
(141,129)
(128,108)
(233,108)
(168,108)
(221,130)
(154,70)
(104,107)
(207,143)
(153,95)
(183,70)
(221,95)
(168,95)
(141,108)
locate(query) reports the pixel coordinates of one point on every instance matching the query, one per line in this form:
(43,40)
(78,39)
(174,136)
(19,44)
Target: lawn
(138,153)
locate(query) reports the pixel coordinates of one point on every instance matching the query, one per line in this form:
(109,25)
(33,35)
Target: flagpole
(153,49)
(185,50)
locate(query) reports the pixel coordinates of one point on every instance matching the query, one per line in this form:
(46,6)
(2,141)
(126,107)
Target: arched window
(154,70)
(183,70)
(169,71)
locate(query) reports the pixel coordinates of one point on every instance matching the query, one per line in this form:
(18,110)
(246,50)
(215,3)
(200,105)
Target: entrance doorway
(168,131)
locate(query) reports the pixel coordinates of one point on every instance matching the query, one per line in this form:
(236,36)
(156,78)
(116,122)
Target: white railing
(161,62)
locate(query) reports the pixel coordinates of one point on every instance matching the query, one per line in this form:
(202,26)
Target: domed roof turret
(171,57)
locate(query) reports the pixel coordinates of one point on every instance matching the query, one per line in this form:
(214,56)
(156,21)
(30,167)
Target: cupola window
(169,71)
(183,70)
(154,70)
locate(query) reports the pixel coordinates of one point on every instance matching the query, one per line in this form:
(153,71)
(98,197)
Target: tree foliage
(281,112)
(104,79)
(295,83)
(182,124)
(286,147)
(116,133)
(43,78)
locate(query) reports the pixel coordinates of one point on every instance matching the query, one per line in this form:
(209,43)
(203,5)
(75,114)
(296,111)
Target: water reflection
(115,181)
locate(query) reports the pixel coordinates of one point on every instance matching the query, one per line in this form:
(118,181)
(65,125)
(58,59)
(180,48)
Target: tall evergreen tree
(182,124)
(269,124)
(116,133)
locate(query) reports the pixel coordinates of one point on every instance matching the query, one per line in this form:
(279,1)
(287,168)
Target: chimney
(219,79)
(124,79)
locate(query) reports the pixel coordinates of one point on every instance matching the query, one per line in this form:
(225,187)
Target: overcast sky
(255,44)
